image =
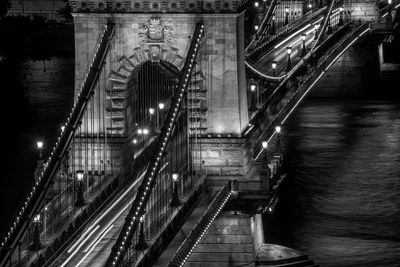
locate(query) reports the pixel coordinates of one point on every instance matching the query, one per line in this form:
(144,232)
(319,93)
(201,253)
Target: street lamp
(39,145)
(175,202)
(145,131)
(36,244)
(289,63)
(160,116)
(256,4)
(80,199)
(287,15)
(265,171)
(134,141)
(151,114)
(274,68)
(273,24)
(341,22)
(278,130)
(303,39)
(253,106)
(141,244)
(265,147)
(256,27)
(316,26)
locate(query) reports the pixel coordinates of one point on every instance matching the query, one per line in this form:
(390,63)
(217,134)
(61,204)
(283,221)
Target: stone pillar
(257,229)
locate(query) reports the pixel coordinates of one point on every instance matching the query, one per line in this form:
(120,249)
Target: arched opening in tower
(149,87)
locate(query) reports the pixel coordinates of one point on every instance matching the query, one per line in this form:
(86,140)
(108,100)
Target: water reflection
(341,204)
(34,103)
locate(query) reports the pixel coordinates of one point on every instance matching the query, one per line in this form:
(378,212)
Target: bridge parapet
(155,6)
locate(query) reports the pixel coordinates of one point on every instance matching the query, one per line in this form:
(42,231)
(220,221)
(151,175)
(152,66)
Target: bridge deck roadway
(279,52)
(93,247)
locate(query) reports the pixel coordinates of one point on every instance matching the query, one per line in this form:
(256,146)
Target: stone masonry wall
(218,61)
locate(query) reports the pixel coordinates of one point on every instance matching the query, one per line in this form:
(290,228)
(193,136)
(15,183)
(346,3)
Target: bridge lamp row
(39,145)
(162,148)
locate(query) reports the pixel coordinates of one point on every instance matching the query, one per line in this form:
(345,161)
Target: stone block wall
(220,156)
(364,9)
(217,60)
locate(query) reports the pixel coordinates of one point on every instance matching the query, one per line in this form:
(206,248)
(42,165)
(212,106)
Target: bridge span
(176,124)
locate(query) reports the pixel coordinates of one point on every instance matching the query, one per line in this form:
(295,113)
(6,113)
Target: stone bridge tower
(161,31)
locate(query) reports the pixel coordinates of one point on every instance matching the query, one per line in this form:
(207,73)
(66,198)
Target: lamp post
(145,131)
(289,63)
(140,133)
(286,15)
(151,114)
(141,244)
(39,145)
(303,39)
(80,199)
(265,170)
(256,27)
(265,147)
(36,244)
(341,22)
(160,116)
(253,106)
(278,130)
(273,68)
(273,28)
(316,26)
(175,202)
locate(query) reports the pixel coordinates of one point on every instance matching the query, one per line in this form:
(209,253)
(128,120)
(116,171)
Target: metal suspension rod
(125,237)
(324,23)
(36,198)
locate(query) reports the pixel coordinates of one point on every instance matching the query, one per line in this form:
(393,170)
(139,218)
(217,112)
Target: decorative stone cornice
(154,6)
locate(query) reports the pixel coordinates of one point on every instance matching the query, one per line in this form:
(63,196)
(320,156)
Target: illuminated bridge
(171,151)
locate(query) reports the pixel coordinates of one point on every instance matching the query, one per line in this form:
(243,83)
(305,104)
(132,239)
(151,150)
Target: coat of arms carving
(154,32)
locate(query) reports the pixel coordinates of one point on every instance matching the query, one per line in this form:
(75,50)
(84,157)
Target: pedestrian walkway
(191,221)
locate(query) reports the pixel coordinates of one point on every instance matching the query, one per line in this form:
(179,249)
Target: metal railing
(326,61)
(202,225)
(264,47)
(36,197)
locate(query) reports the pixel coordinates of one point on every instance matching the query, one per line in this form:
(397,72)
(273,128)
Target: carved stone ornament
(155,33)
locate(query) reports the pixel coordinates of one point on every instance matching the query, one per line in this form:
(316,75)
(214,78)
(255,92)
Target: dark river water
(340,204)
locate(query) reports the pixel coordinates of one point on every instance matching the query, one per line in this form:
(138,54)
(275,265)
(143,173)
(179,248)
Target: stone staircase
(228,242)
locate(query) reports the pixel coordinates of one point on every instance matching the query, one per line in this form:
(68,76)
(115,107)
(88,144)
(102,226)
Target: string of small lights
(194,237)
(144,191)
(33,202)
